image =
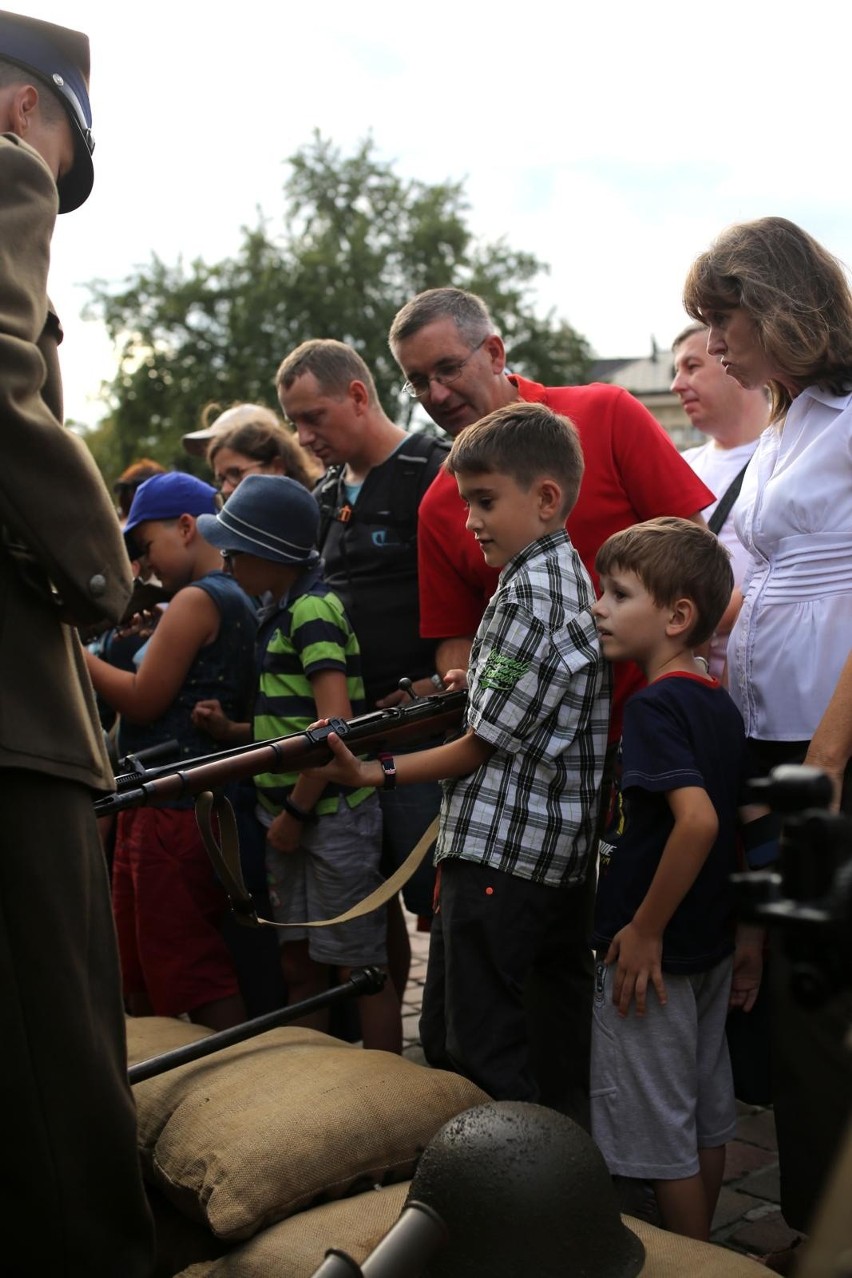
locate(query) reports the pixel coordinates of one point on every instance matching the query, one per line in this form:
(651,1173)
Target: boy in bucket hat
(73,1195)
(323,841)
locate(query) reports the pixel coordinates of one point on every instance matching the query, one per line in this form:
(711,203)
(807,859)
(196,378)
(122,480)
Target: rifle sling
(224,852)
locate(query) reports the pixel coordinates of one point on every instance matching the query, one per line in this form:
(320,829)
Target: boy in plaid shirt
(510,935)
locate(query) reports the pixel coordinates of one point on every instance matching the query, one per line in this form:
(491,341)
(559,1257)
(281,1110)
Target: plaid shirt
(538,693)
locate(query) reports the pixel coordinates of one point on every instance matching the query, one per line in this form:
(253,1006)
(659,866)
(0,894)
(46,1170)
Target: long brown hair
(796,293)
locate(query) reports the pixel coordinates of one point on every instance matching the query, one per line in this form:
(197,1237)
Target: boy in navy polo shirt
(662,1093)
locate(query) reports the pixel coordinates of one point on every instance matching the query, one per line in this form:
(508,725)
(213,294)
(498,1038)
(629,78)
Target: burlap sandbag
(149,1036)
(291,1118)
(673,1256)
(296,1247)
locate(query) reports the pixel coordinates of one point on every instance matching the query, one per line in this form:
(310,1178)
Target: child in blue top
(662,1094)
(169,907)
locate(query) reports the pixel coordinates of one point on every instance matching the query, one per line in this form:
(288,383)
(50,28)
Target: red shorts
(168,910)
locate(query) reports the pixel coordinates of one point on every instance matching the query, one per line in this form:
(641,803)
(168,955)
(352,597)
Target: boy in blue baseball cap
(168,905)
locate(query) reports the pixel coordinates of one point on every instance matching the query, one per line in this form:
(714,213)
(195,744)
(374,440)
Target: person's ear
(493,345)
(22,108)
(359,395)
(549,498)
(683,615)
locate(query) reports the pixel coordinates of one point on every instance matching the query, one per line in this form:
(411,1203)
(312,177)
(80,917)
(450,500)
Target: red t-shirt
(633,472)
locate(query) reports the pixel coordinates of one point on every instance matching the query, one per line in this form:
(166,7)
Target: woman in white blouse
(779,311)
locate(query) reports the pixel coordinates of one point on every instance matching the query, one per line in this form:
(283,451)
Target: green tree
(358,241)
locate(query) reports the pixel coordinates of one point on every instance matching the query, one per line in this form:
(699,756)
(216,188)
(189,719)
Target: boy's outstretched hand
(638,958)
(344,768)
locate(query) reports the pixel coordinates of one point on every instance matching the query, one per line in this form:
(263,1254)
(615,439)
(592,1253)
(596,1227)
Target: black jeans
(508,992)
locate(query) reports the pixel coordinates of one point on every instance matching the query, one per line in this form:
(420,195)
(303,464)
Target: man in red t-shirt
(454,362)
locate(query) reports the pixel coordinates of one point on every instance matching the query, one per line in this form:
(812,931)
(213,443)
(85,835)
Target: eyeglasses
(447,371)
(235,475)
(228,555)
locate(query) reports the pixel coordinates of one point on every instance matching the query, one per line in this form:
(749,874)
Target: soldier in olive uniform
(70,1188)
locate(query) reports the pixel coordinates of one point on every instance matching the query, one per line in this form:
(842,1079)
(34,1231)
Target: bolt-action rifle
(423,717)
(205,777)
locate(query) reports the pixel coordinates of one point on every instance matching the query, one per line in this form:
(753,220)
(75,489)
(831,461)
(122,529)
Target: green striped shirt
(308,634)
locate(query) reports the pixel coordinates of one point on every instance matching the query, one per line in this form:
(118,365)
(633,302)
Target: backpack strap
(327,493)
(411,460)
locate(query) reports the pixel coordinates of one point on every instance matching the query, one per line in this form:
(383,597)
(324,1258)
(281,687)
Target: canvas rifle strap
(224,852)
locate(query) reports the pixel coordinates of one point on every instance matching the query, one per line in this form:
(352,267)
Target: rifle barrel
(425,717)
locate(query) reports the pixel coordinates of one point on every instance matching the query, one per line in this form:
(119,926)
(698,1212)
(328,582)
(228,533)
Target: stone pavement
(748,1218)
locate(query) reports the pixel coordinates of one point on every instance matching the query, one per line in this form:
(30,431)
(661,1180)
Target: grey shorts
(661,1085)
(336,867)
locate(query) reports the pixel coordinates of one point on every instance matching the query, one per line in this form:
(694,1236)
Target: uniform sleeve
(656,478)
(656,752)
(54,507)
(452,595)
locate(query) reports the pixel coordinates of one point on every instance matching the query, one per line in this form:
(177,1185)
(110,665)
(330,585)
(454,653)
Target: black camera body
(808,894)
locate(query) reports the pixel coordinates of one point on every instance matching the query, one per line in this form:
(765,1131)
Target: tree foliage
(357,242)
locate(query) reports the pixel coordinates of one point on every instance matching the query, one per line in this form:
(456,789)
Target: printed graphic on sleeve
(502,673)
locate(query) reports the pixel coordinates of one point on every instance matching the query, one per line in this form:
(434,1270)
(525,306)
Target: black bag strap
(327,493)
(726,501)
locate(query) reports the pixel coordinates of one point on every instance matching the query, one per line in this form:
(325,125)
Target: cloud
(613,142)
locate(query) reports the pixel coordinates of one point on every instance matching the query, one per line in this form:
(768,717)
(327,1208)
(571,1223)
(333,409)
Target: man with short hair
(455,365)
(72,1193)
(369,499)
(734,418)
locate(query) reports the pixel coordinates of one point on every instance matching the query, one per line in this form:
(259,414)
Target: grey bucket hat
(270,516)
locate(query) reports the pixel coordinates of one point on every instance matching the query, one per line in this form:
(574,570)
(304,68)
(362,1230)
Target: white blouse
(794,632)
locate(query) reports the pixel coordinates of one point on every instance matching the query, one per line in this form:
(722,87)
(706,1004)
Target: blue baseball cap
(168,497)
(271,516)
(59,58)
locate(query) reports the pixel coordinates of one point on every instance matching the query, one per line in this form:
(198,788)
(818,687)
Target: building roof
(644,375)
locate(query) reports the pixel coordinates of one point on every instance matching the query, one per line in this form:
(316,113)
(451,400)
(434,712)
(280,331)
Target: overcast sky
(611,140)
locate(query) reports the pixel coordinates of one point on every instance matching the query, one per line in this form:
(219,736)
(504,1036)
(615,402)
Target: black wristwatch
(293,810)
(389,769)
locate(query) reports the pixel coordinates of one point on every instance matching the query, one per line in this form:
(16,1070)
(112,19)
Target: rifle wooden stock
(425,717)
